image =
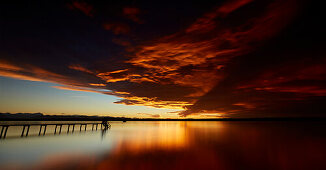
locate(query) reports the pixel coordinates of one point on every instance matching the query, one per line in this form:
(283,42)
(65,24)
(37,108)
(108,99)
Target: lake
(170,145)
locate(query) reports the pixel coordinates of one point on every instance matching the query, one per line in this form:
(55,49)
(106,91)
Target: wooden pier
(57,129)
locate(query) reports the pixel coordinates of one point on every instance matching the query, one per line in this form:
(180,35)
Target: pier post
(92,127)
(85,126)
(80,127)
(4,136)
(27,130)
(73,128)
(23,132)
(55,129)
(96,125)
(2,131)
(60,129)
(68,128)
(39,133)
(44,130)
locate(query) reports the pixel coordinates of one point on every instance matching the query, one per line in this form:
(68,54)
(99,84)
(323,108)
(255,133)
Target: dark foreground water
(171,145)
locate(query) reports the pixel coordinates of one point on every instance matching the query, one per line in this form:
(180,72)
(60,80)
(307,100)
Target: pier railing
(57,129)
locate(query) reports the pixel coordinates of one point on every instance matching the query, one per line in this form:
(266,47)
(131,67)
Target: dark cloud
(237,58)
(132,13)
(117,28)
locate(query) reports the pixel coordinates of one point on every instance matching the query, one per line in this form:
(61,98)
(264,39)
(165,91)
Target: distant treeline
(42,117)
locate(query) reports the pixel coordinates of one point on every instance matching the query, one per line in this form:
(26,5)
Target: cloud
(80,68)
(31,73)
(117,27)
(233,58)
(132,13)
(98,85)
(74,88)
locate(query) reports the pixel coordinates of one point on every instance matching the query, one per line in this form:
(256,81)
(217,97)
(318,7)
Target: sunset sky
(169,59)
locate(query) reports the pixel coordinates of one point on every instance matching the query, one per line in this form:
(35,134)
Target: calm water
(171,145)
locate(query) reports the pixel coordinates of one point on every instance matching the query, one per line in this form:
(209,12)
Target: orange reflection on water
(203,145)
(156,135)
(221,145)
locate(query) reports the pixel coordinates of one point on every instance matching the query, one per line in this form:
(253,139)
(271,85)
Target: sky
(226,58)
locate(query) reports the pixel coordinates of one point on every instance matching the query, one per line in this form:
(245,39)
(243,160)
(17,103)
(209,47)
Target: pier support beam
(39,133)
(23,132)
(4,132)
(28,126)
(44,130)
(68,128)
(4,136)
(2,128)
(27,130)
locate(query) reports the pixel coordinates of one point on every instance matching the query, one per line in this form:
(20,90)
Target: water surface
(170,145)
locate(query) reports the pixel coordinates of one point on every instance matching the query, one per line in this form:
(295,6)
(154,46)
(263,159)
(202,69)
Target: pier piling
(27,130)
(68,128)
(4,136)
(44,130)
(4,131)
(23,132)
(39,133)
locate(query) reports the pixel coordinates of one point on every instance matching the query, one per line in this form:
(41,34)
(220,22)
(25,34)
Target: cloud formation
(236,58)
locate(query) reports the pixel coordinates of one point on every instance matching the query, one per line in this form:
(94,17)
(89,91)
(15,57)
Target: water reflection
(183,145)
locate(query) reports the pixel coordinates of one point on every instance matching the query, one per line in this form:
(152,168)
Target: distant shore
(42,117)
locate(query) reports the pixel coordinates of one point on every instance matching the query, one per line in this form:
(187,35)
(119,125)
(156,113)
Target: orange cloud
(79,68)
(31,73)
(196,57)
(152,102)
(98,85)
(76,88)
